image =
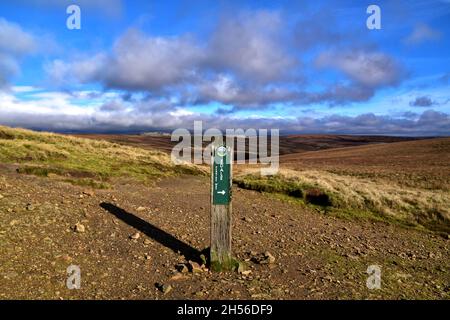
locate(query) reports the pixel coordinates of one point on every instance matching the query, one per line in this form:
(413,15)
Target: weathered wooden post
(221,182)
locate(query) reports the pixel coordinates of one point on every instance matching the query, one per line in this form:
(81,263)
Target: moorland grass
(355,197)
(83,161)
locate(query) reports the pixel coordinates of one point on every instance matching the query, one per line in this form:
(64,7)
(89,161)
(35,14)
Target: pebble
(182,268)
(79,228)
(195,267)
(269,257)
(166,288)
(178,276)
(135,236)
(88,193)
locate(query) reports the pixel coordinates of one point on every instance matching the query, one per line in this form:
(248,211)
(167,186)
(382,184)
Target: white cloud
(14,44)
(371,69)
(248,48)
(251,45)
(142,62)
(422,33)
(14,40)
(24,89)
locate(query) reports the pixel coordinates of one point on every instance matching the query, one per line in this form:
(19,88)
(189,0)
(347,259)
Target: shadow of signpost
(154,232)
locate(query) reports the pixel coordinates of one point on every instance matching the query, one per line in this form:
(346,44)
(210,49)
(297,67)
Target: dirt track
(317,256)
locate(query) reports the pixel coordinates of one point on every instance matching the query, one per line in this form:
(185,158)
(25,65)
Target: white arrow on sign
(221,192)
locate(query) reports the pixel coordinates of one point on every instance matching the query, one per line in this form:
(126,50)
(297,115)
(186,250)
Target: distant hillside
(303,143)
(288,144)
(427,162)
(152,142)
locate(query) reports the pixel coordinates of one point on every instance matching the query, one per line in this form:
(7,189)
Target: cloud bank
(110,112)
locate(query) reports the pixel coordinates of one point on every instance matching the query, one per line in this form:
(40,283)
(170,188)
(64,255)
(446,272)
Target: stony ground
(129,241)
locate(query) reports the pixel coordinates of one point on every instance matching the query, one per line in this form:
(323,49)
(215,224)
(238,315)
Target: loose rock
(270,258)
(195,267)
(178,276)
(79,228)
(89,193)
(164,288)
(266,258)
(182,268)
(135,236)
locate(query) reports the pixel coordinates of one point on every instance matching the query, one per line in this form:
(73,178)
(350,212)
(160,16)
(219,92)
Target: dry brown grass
(429,208)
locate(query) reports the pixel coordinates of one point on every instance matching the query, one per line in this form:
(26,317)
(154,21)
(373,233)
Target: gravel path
(129,242)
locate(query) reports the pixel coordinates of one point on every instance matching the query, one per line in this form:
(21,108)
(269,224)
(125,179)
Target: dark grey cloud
(240,95)
(112,106)
(409,115)
(423,101)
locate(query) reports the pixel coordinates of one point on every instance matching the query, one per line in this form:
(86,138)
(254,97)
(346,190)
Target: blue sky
(300,66)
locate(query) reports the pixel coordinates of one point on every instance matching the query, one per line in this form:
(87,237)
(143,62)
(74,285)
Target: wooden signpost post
(221,182)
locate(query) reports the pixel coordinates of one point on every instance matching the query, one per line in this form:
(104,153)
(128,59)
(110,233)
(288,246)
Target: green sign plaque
(221,175)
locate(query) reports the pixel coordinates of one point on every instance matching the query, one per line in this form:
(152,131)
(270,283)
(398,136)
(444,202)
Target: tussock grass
(41,153)
(376,198)
(308,192)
